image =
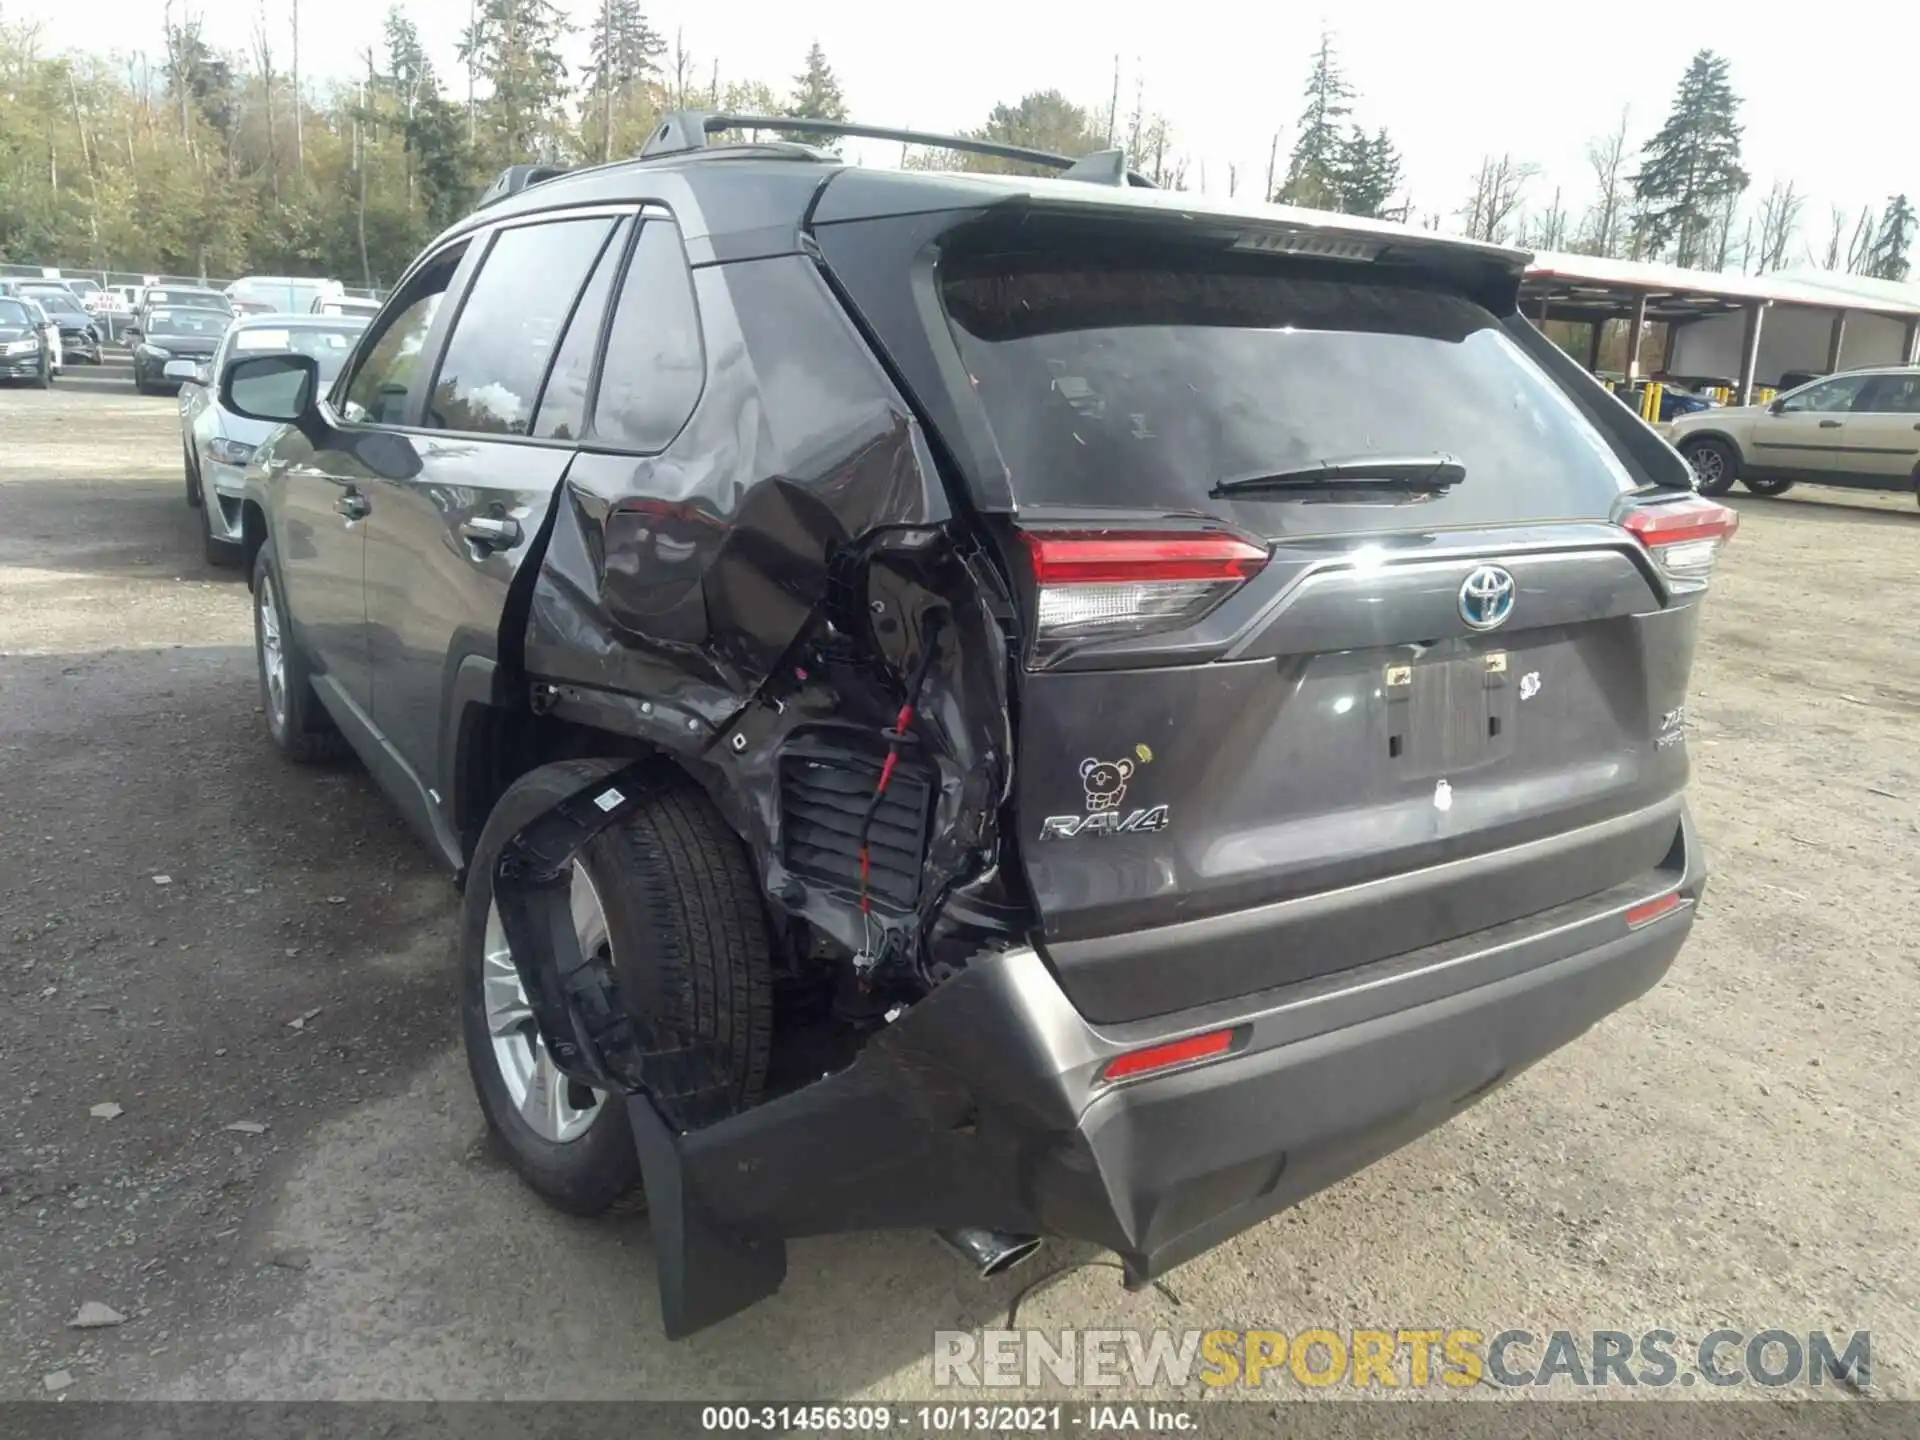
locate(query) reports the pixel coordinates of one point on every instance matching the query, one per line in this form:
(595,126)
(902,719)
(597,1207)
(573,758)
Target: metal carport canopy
(1590,289)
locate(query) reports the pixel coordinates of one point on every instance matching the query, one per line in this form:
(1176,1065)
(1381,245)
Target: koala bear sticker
(1106,782)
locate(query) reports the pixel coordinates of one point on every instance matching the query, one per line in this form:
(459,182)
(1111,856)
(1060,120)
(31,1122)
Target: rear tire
(688,945)
(1768,488)
(297,723)
(1714,464)
(46,374)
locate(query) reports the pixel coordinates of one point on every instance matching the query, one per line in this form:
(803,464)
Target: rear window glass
(188,322)
(1141,385)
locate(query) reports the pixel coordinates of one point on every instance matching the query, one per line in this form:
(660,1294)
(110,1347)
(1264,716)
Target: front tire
(296,722)
(669,899)
(1714,464)
(193,477)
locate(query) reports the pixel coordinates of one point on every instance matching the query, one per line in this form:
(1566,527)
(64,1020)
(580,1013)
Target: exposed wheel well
(498,744)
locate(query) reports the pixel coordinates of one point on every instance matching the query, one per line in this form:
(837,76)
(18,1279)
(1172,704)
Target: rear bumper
(983,1105)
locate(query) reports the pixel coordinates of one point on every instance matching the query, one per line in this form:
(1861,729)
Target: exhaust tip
(991,1252)
(1018,1253)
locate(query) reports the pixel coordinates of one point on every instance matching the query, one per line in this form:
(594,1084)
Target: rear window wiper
(1422,474)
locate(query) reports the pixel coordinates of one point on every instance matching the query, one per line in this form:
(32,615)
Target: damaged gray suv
(1023,707)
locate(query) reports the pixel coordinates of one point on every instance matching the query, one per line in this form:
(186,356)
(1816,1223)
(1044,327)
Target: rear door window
(1142,384)
(655,366)
(1890,395)
(509,325)
(563,403)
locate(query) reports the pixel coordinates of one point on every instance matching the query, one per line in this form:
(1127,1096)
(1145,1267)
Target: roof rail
(514,179)
(689,130)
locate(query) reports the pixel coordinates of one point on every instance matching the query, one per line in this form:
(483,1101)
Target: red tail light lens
(1686,537)
(1652,910)
(1097,584)
(1165,1057)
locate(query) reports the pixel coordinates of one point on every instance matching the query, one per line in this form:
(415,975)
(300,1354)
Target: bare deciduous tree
(1836,239)
(1860,248)
(1779,223)
(1498,188)
(1606,226)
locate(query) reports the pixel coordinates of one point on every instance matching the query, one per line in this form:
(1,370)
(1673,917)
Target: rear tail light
(1098,584)
(1164,1057)
(1686,537)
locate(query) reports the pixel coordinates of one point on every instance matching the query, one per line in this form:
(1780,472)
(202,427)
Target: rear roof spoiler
(687,131)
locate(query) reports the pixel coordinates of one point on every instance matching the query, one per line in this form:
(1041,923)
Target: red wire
(900,723)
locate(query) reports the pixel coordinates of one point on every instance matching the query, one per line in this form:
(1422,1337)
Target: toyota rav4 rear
(1280,743)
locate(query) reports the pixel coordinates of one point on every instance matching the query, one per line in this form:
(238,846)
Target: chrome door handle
(1829,424)
(353,505)
(491,532)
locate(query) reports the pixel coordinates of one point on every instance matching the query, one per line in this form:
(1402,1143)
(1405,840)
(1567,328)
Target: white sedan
(215,443)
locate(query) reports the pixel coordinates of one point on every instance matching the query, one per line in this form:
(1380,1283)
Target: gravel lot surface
(200,935)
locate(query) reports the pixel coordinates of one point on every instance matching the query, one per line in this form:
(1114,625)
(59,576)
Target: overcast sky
(1830,105)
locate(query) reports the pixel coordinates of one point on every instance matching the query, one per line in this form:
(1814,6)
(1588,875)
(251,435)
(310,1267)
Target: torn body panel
(755,599)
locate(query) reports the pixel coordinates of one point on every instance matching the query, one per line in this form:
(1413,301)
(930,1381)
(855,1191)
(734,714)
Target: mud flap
(706,1271)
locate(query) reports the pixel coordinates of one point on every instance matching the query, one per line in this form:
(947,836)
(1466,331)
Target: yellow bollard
(1763,394)
(1650,402)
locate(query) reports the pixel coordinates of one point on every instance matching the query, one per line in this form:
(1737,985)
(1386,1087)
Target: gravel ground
(202,936)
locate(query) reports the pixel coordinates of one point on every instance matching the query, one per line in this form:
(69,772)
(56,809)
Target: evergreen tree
(1691,168)
(1894,242)
(514,45)
(623,49)
(816,96)
(1320,154)
(1369,174)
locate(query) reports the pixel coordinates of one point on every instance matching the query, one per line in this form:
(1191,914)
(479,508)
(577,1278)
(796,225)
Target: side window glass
(563,404)
(1834,395)
(376,393)
(1890,395)
(509,325)
(655,366)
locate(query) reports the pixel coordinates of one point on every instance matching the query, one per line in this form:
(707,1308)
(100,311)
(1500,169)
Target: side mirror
(280,389)
(184,371)
(1774,407)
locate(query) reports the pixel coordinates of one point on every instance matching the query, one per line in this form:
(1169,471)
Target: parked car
(79,335)
(48,328)
(1023,744)
(215,443)
(90,292)
(1860,429)
(346,305)
(174,334)
(176,297)
(25,351)
(285,294)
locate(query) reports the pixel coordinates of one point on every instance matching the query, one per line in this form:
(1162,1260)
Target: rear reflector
(1165,1057)
(1096,584)
(1686,537)
(1652,910)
